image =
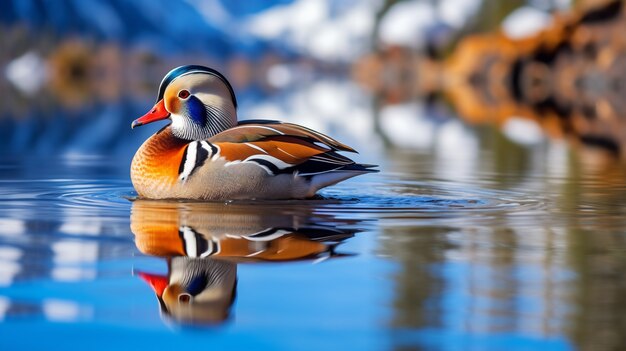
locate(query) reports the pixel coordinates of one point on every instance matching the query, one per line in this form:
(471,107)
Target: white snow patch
(406,23)
(323,29)
(523,131)
(524,22)
(455,13)
(557,159)
(457,150)
(213,12)
(28,73)
(279,76)
(406,125)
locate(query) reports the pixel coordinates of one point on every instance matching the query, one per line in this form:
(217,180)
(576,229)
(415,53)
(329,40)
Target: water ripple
(112,198)
(429,199)
(45,199)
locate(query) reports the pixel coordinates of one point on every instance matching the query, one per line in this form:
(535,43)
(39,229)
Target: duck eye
(184,298)
(183,94)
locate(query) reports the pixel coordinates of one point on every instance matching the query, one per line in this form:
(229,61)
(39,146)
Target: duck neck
(213,120)
(163,141)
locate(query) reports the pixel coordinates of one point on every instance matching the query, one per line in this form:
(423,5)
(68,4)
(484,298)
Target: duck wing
(255,130)
(283,148)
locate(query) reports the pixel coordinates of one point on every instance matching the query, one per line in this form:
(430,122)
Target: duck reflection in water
(203,242)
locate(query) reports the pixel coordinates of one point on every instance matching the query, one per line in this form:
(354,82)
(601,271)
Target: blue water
(427,264)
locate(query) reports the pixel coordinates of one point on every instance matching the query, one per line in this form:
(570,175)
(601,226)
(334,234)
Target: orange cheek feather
(173,105)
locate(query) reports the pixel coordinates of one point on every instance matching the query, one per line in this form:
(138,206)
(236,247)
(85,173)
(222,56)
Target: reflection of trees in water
(595,256)
(569,78)
(600,294)
(478,280)
(554,273)
(418,282)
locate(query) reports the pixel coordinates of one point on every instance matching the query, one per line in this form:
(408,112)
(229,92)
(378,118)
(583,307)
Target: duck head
(199,100)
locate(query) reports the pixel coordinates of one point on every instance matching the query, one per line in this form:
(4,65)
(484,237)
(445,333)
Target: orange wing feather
(287,149)
(253,131)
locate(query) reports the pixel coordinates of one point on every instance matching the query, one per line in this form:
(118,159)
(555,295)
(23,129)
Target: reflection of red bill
(157,282)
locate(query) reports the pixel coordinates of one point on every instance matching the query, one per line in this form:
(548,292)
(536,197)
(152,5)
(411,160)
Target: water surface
(489,258)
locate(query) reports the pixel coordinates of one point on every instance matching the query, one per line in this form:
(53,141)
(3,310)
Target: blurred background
(497,221)
(74,73)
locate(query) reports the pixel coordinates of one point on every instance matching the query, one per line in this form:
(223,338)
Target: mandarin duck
(206,154)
